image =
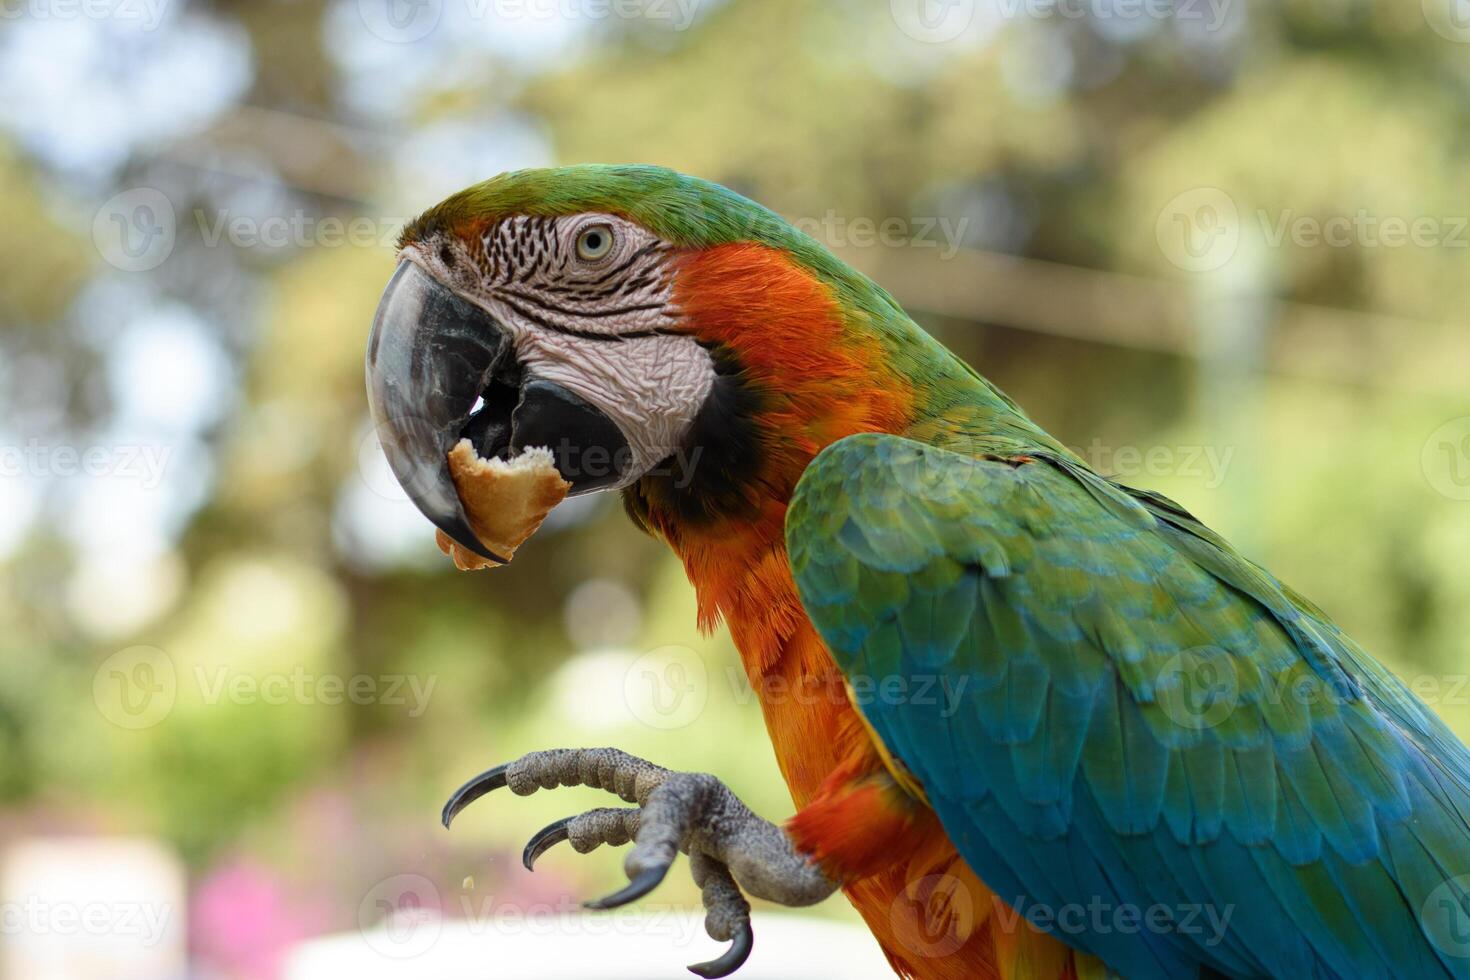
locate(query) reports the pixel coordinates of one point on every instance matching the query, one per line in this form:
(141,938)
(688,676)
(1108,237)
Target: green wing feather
(1138,724)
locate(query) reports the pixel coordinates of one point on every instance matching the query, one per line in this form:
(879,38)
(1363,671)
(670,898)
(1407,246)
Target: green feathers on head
(686,211)
(693,213)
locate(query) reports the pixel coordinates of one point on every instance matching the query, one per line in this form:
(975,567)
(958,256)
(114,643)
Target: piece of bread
(504,501)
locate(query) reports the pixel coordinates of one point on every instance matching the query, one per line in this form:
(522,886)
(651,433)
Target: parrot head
(660,334)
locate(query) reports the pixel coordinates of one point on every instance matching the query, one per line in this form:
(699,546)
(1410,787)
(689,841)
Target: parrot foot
(729,847)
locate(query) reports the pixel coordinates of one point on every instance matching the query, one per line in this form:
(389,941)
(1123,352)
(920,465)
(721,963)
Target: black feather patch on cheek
(713,475)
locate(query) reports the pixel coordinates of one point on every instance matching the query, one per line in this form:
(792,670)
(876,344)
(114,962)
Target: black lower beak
(588,449)
(441,369)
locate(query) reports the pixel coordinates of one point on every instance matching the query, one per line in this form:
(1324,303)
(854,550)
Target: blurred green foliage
(1060,143)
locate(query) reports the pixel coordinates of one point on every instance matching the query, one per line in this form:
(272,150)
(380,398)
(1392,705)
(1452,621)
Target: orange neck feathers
(804,375)
(798,373)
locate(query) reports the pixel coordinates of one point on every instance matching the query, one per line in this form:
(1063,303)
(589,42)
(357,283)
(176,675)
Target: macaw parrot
(1035,723)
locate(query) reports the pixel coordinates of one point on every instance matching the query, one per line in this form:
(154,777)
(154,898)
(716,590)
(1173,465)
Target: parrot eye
(594,243)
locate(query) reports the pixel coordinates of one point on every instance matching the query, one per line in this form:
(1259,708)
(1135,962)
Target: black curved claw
(732,959)
(490,779)
(637,888)
(543,840)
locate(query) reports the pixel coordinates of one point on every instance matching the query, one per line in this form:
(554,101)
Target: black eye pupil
(594,241)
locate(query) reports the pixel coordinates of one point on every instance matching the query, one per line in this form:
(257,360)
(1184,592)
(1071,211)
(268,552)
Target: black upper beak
(430,355)
(439,369)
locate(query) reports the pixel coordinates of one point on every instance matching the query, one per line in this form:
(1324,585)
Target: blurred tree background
(1110,215)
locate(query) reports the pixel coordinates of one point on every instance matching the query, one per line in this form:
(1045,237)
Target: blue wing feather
(1137,719)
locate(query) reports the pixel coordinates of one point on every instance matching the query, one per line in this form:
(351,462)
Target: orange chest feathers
(931,915)
(809,380)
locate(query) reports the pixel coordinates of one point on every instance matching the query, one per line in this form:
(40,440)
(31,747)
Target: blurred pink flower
(244,919)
